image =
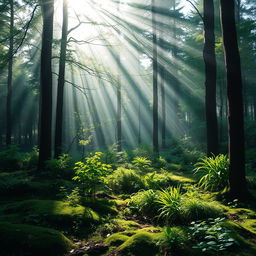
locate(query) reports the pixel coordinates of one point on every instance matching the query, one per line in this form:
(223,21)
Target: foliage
(124,181)
(170,202)
(213,172)
(73,198)
(91,172)
(144,204)
(10,159)
(142,163)
(112,156)
(60,167)
(211,236)
(172,238)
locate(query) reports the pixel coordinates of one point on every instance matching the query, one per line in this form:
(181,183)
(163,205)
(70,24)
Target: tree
(235,100)
(61,83)
(45,128)
(119,95)
(9,78)
(210,79)
(155,82)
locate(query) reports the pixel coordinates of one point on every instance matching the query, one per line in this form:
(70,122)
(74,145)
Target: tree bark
(237,179)
(45,137)
(9,79)
(155,82)
(61,83)
(210,79)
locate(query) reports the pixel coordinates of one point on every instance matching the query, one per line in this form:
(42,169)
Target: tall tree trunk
(210,79)
(119,94)
(155,82)
(162,86)
(61,83)
(45,137)
(9,79)
(237,179)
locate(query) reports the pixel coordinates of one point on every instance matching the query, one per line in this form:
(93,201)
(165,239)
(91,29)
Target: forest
(128,127)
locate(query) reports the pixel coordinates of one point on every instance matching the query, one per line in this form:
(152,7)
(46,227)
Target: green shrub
(10,159)
(170,202)
(91,172)
(61,167)
(142,163)
(124,181)
(213,172)
(144,204)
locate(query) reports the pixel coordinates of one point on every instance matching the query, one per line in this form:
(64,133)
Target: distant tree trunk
(9,79)
(119,95)
(45,138)
(61,83)
(237,179)
(162,86)
(210,79)
(155,82)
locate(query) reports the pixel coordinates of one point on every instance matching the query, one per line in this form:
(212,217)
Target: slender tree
(45,128)
(210,79)
(61,83)
(119,94)
(9,78)
(155,81)
(237,179)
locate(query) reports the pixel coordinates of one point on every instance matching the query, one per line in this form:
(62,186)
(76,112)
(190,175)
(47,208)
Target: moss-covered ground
(37,218)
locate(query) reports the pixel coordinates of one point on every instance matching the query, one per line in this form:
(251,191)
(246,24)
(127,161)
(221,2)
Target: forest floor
(128,215)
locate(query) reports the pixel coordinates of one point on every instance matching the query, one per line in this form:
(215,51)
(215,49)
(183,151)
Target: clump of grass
(170,201)
(213,172)
(124,181)
(144,204)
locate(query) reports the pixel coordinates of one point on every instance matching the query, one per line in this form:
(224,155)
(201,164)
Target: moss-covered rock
(50,213)
(20,239)
(140,244)
(116,239)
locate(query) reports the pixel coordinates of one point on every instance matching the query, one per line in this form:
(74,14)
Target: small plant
(213,172)
(59,167)
(73,197)
(91,172)
(170,200)
(142,163)
(172,238)
(211,236)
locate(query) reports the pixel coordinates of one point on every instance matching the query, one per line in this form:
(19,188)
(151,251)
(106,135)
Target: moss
(102,206)
(49,212)
(116,239)
(20,239)
(126,224)
(142,243)
(180,179)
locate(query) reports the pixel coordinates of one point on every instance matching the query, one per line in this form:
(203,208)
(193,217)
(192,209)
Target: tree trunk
(45,138)
(155,85)
(9,79)
(61,83)
(210,79)
(235,101)
(119,94)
